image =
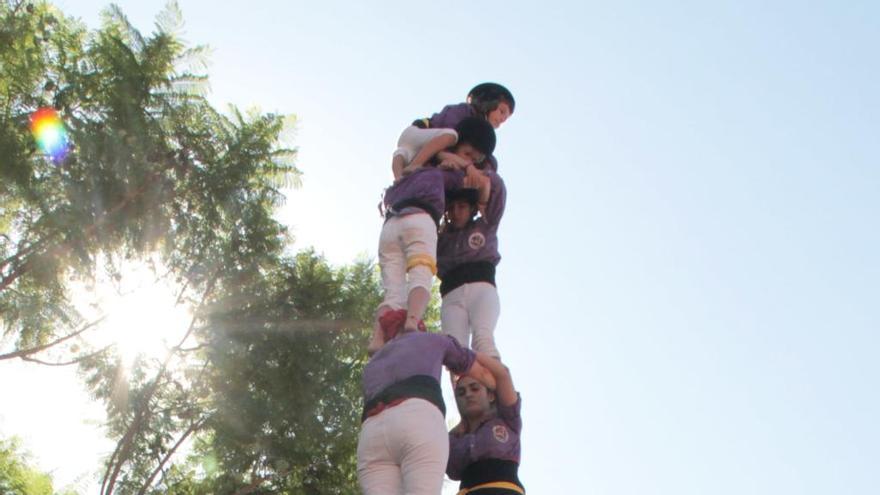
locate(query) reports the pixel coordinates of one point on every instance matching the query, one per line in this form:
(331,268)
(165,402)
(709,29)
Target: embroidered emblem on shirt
(476,240)
(500,433)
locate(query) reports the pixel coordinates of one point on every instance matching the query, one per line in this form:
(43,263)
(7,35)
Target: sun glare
(142,317)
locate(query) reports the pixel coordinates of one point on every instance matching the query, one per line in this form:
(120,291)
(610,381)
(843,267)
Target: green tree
(17,476)
(264,381)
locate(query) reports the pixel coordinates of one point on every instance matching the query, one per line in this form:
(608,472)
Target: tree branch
(33,350)
(123,447)
(195,426)
(68,363)
(87,232)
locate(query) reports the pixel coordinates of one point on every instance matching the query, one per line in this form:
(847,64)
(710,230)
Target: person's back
(403,445)
(424,189)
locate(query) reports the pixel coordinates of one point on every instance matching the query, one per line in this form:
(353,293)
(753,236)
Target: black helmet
(486,97)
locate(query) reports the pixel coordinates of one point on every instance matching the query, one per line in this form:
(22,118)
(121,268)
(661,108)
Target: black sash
(415,387)
(466,273)
(406,203)
(488,471)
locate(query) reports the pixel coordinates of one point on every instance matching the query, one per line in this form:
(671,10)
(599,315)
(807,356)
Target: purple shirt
(425,188)
(411,354)
(451,115)
(477,241)
(497,438)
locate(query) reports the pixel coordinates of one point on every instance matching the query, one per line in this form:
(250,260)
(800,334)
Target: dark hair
(478,133)
(487,96)
(466,194)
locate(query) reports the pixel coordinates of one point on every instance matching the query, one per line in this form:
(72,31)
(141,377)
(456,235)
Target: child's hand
(451,161)
(474,179)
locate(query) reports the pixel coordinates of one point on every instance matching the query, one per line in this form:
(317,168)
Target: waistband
(496,487)
(415,387)
(466,273)
(480,474)
(393,210)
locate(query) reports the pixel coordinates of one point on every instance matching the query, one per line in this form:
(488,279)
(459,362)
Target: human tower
(441,218)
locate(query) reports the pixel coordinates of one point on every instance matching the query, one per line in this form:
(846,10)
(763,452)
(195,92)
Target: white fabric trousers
(469,313)
(403,450)
(413,138)
(404,241)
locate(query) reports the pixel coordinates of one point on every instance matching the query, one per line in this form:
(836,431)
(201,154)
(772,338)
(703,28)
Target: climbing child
(408,242)
(426,137)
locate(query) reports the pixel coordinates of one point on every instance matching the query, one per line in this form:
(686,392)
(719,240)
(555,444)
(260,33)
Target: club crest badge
(500,432)
(476,240)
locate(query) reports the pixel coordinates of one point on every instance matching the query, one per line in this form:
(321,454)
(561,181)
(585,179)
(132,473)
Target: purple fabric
(491,163)
(497,438)
(478,241)
(426,186)
(411,354)
(451,115)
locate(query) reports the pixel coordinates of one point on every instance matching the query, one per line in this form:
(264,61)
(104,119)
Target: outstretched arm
(478,180)
(503,382)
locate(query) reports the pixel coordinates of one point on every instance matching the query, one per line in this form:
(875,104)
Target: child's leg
(398,163)
(419,238)
(392,265)
(454,315)
(483,307)
(411,142)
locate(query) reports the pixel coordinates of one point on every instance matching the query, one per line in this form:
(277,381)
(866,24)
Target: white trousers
(413,138)
(407,256)
(403,450)
(469,313)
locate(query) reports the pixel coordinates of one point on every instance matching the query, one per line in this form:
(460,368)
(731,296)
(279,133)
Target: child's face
(468,152)
(460,213)
(499,115)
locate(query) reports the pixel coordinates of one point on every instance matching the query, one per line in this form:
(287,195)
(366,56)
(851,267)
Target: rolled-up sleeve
(510,414)
(497,199)
(457,358)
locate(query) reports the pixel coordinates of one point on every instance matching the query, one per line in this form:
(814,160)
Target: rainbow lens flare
(49,132)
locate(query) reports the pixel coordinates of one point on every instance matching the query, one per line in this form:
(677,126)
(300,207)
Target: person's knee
(404,154)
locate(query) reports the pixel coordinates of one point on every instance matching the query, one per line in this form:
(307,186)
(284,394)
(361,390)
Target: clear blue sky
(690,295)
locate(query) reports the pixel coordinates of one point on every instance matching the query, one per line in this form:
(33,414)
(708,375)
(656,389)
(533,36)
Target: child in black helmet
(426,137)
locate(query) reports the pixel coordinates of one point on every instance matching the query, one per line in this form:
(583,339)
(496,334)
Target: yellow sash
(494,484)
